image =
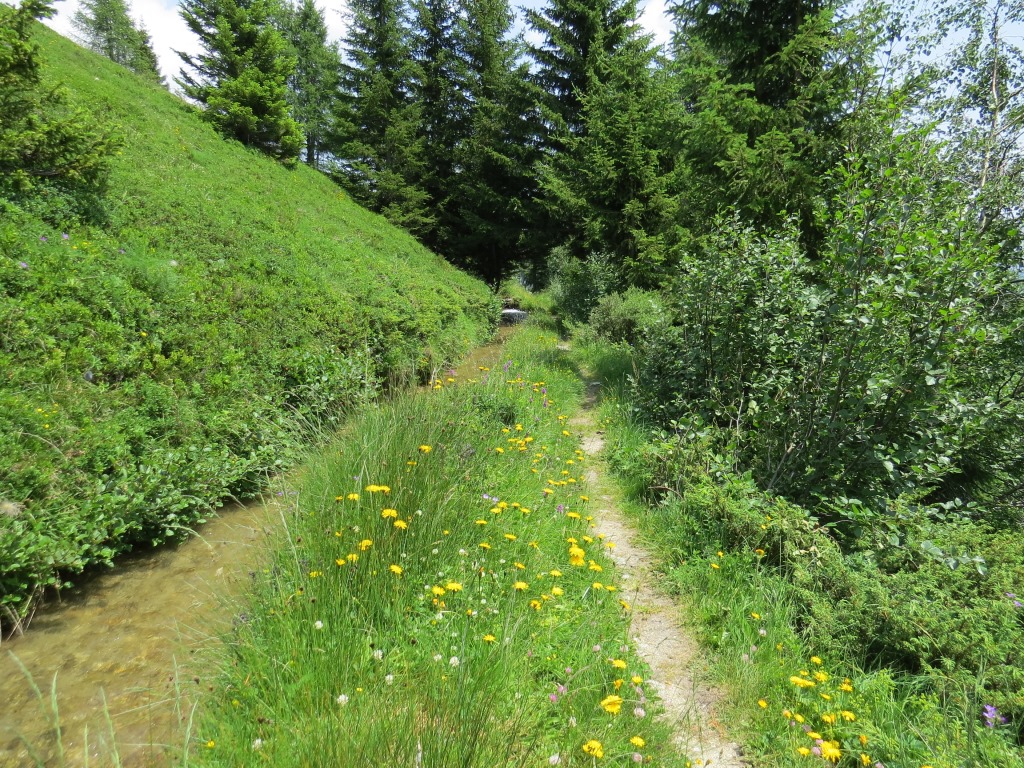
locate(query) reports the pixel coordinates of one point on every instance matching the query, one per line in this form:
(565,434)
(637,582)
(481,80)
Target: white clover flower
(454,661)
(342,700)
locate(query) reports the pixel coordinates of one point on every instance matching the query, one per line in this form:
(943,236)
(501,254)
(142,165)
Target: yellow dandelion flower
(395,569)
(618,663)
(521,586)
(401,525)
(829,719)
(864,759)
(625,606)
(803,751)
(597,585)
(489,638)
(340,561)
(511,536)
(848,716)
(453,586)
(577,556)
(636,680)
(555,572)
(499,450)
(830,751)
(594,748)
(715,566)
(821,677)
(389,513)
(353,497)
(365,544)
(484,545)
(816,660)
(762,704)
(573,515)
(352,557)
(813,735)
(535,604)
(638,742)
(756,616)
(595,567)
(800,682)
(584,498)
(863,740)
(437,591)
(557,591)
(612,704)
(425,449)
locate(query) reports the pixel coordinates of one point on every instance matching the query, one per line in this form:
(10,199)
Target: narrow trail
(661,638)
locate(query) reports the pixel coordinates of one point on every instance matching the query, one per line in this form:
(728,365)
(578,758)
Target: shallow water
(125,638)
(122,643)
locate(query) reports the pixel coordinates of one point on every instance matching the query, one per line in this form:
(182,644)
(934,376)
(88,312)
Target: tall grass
(442,598)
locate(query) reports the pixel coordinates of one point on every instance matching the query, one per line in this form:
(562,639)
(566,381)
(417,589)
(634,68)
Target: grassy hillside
(174,356)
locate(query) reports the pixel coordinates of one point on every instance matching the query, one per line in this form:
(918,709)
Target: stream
(117,651)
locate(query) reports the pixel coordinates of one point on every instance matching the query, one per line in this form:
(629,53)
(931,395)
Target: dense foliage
(172,358)
(53,155)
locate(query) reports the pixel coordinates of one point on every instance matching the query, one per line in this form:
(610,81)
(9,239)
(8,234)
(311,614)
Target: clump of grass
(442,598)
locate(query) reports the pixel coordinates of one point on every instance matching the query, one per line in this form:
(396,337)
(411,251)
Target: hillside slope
(151,367)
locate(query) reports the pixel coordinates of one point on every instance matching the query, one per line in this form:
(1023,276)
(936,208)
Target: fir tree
(377,141)
(576,33)
(441,92)
(107,29)
(313,86)
(46,145)
(496,187)
(613,177)
(240,78)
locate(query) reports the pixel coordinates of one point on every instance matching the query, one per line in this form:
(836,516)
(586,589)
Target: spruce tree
(240,78)
(50,152)
(496,186)
(107,29)
(313,86)
(575,33)
(377,139)
(613,177)
(438,42)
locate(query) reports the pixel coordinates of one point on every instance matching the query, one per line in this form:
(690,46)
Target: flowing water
(117,652)
(119,646)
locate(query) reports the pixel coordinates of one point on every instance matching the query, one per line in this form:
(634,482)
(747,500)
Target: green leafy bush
(866,373)
(624,317)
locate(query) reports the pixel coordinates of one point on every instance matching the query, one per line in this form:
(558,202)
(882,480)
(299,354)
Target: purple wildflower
(44,239)
(22,265)
(992,716)
(65,236)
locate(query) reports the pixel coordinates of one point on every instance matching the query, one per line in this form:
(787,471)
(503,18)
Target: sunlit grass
(442,598)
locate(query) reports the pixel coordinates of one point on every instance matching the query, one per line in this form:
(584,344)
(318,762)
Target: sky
(169,33)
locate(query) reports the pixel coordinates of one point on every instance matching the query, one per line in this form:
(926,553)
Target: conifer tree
(496,186)
(313,86)
(107,29)
(377,139)
(46,144)
(438,41)
(240,78)
(575,33)
(613,177)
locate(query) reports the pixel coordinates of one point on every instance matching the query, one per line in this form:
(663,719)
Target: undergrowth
(881,656)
